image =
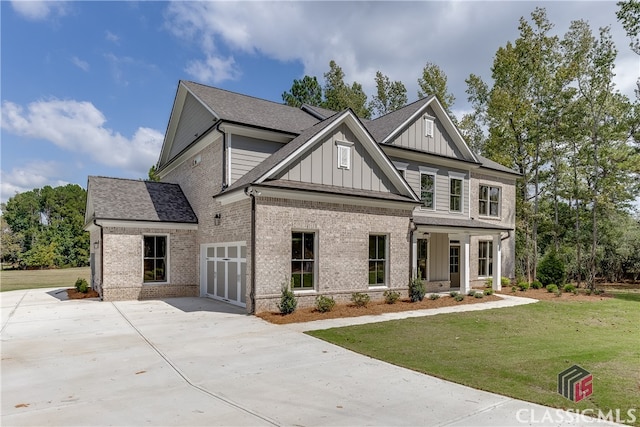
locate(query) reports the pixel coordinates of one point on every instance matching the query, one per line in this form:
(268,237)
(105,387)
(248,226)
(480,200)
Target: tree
(389,97)
(153,174)
(629,16)
(305,91)
(11,243)
(338,95)
(434,82)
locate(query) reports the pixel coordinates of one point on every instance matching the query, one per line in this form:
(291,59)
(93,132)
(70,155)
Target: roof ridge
(244,95)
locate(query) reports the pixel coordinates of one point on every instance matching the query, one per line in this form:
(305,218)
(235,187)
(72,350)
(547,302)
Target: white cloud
(213,69)
(83,65)
(80,127)
(112,37)
(34,174)
(39,10)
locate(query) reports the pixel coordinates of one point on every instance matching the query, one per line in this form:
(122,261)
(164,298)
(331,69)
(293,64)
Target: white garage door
(224,272)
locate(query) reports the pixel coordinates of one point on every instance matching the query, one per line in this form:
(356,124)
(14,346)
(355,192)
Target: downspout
(225,184)
(101,256)
(412,228)
(252,293)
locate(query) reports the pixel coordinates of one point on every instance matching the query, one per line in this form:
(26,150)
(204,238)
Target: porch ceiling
(457,226)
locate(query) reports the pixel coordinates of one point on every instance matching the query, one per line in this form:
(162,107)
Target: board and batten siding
(320,165)
(439,257)
(412,176)
(247,153)
(440,143)
(194,120)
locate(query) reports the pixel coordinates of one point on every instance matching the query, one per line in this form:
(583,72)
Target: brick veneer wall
(122,262)
(343,248)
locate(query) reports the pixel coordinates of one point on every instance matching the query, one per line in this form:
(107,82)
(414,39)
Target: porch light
(412,225)
(216,219)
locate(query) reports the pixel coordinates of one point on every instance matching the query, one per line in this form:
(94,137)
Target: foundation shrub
(417,290)
(551,288)
(434,297)
(324,303)
(360,299)
(391,297)
(82,286)
(288,301)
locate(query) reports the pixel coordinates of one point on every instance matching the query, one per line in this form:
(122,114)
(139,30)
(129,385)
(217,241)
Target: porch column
(497,262)
(465,286)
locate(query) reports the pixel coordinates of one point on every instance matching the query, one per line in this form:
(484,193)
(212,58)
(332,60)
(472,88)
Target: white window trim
(429,126)
(489,257)
(316,242)
(168,258)
(435,179)
(488,215)
(415,262)
(459,176)
(386,261)
(402,167)
(341,147)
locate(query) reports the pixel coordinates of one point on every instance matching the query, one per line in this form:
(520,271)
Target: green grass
(517,351)
(12,280)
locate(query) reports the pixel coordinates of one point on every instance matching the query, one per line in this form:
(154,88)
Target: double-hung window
(485,259)
(489,201)
(455,193)
(427,190)
(155,259)
(377,260)
(303,260)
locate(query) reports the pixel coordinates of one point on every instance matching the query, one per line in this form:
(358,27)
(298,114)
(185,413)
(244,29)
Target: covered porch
(442,254)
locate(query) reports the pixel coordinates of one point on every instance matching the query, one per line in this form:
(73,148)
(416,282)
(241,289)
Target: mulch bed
(72,293)
(379,307)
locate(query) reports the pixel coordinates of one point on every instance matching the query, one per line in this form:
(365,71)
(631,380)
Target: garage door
(224,273)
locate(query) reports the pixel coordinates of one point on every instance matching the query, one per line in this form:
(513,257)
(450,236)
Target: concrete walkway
(194,361)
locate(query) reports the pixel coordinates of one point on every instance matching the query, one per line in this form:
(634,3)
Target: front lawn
(517,351)
(12,280)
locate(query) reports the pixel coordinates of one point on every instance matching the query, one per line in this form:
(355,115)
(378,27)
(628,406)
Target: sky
(86,88)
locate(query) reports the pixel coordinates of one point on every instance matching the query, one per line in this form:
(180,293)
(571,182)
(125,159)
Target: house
(256,195)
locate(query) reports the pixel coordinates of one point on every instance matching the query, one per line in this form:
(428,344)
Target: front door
(454,266)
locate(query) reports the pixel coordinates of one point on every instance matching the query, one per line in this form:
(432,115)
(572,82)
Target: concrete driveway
(195,361)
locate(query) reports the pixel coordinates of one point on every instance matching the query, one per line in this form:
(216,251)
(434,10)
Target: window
(454,259)
(155,259)
(455,194)
(485,259)
(423,259)
(427,190)
(302,260)
(344,154)
(377,260)
(429,125)
(489,203)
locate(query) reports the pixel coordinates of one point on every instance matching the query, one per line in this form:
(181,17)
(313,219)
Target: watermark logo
(575,383)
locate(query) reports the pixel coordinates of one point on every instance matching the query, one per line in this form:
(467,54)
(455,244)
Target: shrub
(505,281)
(587,292)
(459,297)
(536,284)
(569,288)
(551,288)
(478,295)
(523,286)
(598,291)
(82,286)
(390,297)
(360,299)
(471,292)
(558,293)
(551,269)
(324,303)
(488,283)
(514,289)
(288,301)
(434,297)
(453,294)
(416,290)
(488,291)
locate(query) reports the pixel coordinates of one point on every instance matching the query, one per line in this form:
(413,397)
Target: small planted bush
(82,286)
(288,301)
(453,294)
(417,290)
(471,292)
(523,286)
(324,303)
(569,288)
(434,297)
(505,281)
(391,297)
(551,269)
(360,299)
(514,289)
(488,283)
(551,288)
(536,284)
(478,295)
(488,291)
(458,297)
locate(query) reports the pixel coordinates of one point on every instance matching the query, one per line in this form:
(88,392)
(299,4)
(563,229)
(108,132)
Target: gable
(194,120)
(320,164)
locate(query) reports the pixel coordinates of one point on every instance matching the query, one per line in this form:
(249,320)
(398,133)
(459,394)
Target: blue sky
(87,87)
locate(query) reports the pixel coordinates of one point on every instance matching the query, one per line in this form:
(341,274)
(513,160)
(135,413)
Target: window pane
(233,252)
(308,246)
(372,272)
(494,194)
(296,246)
(148,246)
(483,192)
(381,247)
(426,190)
(483,207)
(161,246)
(372,247)
(160,270)
(149,266)
(494,209)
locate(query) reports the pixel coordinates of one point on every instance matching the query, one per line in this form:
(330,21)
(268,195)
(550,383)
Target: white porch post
(497,262)
(465,286)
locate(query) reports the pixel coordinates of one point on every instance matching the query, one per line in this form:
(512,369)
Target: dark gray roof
(458,222)
(274,159)
(135,200)
(490,164)
(243,109)
(331,189)
(323,113)
(383,126)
